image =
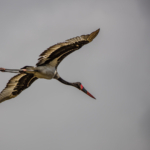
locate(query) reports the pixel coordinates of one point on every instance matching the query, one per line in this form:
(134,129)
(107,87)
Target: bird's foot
(2,69)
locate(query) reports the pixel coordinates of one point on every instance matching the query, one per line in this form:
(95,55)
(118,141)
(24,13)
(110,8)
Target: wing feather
(16,85)
(56,53)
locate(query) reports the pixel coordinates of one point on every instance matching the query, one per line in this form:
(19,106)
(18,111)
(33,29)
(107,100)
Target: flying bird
(46,67)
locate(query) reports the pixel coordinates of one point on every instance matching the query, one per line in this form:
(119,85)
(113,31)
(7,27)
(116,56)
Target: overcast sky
(114,67)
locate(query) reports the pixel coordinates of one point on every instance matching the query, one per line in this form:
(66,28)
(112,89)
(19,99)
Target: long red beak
(85,91)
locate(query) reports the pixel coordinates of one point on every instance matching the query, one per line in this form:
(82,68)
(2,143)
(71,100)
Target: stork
(46,67)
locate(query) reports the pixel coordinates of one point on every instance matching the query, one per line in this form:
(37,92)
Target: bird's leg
(13,70)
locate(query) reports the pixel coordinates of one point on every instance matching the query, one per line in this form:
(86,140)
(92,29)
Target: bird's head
(80,87)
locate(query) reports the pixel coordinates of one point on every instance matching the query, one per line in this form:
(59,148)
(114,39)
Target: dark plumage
(46,67)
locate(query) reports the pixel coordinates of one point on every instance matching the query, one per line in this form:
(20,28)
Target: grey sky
(115,68)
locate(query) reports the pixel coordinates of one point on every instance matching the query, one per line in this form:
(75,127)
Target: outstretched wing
(56,53)
(16,85)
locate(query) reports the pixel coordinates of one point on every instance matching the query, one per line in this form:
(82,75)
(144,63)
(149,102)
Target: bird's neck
(65,82)
(62,80)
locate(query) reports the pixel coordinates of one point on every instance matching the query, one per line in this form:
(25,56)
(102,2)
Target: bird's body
(46,72)
(46,67)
